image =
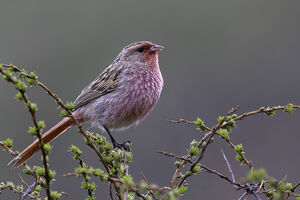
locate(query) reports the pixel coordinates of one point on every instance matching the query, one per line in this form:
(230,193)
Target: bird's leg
(115,143)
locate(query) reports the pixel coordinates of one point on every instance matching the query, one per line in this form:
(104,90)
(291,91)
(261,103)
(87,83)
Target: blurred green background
(218,54)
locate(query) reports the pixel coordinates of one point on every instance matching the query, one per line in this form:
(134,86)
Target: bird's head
(144,51)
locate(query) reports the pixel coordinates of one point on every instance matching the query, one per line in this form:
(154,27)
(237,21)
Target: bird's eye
(141,49)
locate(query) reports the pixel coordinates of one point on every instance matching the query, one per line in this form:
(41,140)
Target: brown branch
(79,126)
(188,122)
(295,186)
(39,135)
(148,185)
(173,155)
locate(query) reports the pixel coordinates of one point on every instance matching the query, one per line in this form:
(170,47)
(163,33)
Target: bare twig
(228,165)
(148,185)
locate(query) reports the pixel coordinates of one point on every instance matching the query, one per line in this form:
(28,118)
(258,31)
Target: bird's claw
(123,145)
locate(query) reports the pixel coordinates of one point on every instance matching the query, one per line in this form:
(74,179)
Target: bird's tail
(50,135)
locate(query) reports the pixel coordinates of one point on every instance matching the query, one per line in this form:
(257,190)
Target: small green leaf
(182,189)
(194,151)
(221,119)
(271,113)
(33,75)
(64,113)
(70,105)
(239,158)
(8,142)
(238,148)
(289,108)
(129,156)
(47,148)
(32,131)
(196,169)
(194,143)
(256,175)
(41,124)
(19,96)
(55,195)
(31,82)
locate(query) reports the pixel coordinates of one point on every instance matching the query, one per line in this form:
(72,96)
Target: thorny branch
(79,126)
(205,141)
(39,134)
(189,160)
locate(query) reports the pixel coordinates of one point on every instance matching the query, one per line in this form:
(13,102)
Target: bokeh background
(218,54)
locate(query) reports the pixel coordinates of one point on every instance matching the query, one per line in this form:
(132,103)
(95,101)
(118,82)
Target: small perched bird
(121,96)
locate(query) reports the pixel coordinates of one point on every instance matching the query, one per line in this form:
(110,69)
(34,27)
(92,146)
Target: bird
(120,97)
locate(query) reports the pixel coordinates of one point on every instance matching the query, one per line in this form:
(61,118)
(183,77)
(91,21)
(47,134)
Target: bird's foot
(124,145)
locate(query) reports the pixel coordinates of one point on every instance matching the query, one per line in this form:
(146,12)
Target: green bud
(223,132)
(22,74)
(20,85)
(8,142)
(196,169)
(101,148)
(98,172)
(37,188)
(271,113)
(117,156)
(127,179)
(20,187)
(182,189)
(31,106)
(51,174)
(108,147)
(203,144)
(194,143)
(33,75)
(41,124)
(199,123)
(5,77)
(194,151)
(271,192)
(227,118)
(178,163)
(239,158)
(11,70)
(256,175)
(107,159)
(289,108)
(39,171)
(47,148)
(130,196)
(288,186)
(70,105)
(221,119)
(19,96)
(64,113)
(32,131)
(1,67)
(129,156)
(10,184)
(26,170)
(31,82)
(238,148)
(55,195)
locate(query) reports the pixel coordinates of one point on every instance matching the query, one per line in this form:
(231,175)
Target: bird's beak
(155,48)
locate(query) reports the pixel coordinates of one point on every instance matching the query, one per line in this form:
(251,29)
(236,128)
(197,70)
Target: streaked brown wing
(105,83)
